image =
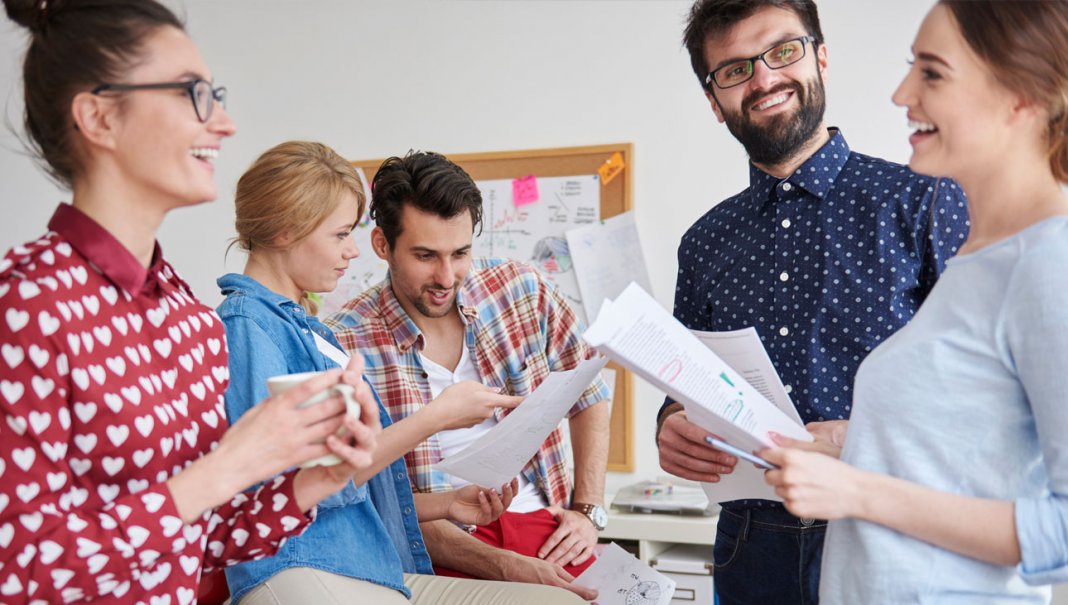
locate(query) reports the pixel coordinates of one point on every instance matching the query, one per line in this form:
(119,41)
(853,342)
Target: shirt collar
(405,333)
(106,253)
(236,282)
(816,175)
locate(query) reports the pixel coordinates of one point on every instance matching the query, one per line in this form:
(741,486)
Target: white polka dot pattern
(106,394)
(825,264)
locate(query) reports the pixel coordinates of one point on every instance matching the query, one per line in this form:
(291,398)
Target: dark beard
(781,138)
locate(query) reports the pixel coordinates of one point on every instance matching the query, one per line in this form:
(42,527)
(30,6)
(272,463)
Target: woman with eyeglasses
(118,481)
(953,482)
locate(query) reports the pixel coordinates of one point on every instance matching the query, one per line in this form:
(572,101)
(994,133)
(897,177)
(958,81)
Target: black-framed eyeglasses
(777,57)
(203,93)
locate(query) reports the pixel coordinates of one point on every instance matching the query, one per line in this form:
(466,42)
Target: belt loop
(745,524)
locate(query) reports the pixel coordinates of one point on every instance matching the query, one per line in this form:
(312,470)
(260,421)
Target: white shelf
(656,533)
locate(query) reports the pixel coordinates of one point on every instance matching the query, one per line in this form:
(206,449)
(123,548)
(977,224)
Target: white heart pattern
(82,358)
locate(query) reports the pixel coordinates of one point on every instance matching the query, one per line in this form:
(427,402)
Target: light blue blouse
(971,398)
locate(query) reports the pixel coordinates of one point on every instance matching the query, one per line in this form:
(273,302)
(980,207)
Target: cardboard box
(690,565)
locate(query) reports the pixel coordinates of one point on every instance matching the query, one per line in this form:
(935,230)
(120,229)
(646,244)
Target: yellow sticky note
(611,168)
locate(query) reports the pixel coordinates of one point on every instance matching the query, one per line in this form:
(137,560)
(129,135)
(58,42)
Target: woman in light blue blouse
(296,207)
(953,483)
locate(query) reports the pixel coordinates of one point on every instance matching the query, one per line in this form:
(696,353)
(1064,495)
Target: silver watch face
(599,516)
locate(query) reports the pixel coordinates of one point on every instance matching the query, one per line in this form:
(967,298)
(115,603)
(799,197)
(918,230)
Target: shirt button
(400,476)
(787,186)
(789,389)
(784,276)
(784,331)
(786,223)
(407,510)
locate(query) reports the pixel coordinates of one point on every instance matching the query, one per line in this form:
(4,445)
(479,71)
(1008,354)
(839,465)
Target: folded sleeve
(1036,325)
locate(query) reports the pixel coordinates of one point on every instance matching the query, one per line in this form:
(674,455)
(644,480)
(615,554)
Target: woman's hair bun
(32,14)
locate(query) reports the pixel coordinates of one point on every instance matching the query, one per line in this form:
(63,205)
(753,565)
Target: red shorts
(522,533)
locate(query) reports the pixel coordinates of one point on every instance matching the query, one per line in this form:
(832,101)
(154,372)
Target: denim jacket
(373,538)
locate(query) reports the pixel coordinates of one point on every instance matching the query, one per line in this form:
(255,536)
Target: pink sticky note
(525,191)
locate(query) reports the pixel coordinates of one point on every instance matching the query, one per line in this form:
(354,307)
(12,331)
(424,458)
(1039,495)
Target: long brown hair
(1025,45)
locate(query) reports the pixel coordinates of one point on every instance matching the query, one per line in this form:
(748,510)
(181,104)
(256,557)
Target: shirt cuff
(1042,530)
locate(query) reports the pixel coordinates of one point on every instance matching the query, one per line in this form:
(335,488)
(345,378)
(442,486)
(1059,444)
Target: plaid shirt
(517,328)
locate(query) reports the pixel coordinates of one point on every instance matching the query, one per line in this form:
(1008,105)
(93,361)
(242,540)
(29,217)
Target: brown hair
(1025,45)
(291,189)
(74,46)
(714,17)
(427,181)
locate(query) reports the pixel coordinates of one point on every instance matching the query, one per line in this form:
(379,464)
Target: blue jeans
(766,556)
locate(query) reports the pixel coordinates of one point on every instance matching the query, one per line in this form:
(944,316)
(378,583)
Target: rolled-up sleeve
(1036,328)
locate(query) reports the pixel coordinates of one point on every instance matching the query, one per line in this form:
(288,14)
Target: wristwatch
(594,512)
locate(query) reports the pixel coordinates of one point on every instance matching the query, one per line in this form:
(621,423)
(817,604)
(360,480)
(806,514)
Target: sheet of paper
(744,351)
(621,579)
(608,375)
(607,257)
(499,455)
(638,333)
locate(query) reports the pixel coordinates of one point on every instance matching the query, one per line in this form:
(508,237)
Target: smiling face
(317,261)
(163,151)
(961,116)
(777,113)
(429,261)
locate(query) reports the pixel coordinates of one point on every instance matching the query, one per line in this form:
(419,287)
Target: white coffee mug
(279,384)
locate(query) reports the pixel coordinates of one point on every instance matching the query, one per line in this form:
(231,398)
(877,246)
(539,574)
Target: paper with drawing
(621,579)
(499,455)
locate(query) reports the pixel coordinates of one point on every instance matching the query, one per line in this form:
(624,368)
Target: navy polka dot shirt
(825,264)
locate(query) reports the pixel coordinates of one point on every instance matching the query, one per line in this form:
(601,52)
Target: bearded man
(826,253)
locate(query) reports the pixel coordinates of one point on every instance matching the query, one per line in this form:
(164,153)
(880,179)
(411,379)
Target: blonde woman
(296,207)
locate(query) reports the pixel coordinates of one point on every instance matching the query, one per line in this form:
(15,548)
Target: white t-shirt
(452,441)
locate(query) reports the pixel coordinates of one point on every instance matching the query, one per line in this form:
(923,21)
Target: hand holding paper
(639,334)
(499,455)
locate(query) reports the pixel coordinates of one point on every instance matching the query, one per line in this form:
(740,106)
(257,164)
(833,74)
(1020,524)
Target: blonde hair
(290,190)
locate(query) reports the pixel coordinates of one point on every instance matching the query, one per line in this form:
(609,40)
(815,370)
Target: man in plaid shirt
(440,318)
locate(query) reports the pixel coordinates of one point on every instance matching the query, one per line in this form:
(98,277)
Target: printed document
(499,455)
(635,331)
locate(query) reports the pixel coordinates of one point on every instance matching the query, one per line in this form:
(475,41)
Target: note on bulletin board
(535,232)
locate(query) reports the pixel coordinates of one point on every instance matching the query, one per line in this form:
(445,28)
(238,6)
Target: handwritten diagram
(620,579)
(535,232)
(644,592)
